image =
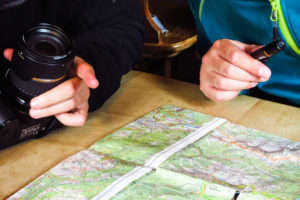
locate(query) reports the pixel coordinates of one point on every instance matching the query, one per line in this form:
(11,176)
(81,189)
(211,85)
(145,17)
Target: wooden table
(140,93)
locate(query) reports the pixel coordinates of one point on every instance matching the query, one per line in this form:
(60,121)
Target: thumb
(86,73)
(8,53)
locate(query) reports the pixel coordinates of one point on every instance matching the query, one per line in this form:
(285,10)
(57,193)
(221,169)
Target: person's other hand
(67,101)
(227,68)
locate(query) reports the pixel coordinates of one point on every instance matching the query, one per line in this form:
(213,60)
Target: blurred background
(169,49)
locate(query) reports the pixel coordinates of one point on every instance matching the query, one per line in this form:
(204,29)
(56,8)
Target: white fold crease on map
(175,153)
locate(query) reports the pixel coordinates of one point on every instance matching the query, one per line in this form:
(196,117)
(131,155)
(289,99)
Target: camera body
(42,60)
(16,126)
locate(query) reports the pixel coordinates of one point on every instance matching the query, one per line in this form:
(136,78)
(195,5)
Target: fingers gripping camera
(43,60)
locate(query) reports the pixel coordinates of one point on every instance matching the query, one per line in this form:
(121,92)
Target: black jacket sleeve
(111,44)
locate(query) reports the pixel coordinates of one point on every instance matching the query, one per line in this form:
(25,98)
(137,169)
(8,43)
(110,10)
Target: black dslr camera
(43,59)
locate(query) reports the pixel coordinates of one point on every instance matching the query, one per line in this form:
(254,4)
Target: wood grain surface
(139,94)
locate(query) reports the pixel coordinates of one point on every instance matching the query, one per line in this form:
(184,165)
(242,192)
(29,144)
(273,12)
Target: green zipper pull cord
(274,19)
(277,16)
(274,13)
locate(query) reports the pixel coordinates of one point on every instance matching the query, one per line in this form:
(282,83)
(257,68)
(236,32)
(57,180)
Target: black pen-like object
(264,53)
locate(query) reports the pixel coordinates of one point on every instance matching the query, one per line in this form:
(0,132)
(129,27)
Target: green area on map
(141,139)
(229,158)
(262,166)
(164,184)
(81,176)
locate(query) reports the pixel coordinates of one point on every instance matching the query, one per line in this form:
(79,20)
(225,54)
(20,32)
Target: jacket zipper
(11,4)
(278,16)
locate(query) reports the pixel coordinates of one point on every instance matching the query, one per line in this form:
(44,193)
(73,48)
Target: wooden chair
(170,30)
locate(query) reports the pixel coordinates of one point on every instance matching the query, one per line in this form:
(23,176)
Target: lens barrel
(42,60)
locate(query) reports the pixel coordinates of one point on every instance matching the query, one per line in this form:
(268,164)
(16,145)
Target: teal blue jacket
(249,21)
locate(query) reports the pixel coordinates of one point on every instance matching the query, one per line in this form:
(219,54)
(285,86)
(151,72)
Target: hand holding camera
(71,95)
(40,83)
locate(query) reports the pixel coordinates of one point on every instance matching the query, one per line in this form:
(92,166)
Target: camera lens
(46,42)
(41,61)
(44,48)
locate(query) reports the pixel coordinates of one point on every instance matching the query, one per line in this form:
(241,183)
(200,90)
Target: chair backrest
(170,28)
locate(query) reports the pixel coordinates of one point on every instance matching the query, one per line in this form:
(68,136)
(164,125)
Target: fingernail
(34,103)
(264,73)
(254,84)
(34,113)
(95,83)
(263,79)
